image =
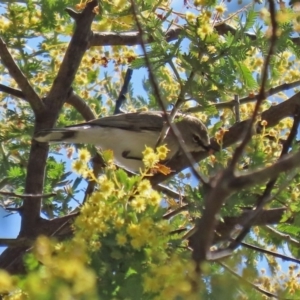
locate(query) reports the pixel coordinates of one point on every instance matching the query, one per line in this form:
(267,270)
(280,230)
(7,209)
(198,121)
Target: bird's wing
(152,121)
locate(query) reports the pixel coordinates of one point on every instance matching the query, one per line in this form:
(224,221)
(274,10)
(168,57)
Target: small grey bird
(128,134)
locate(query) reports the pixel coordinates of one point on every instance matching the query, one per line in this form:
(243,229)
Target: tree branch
(80,105)
(261,95)
(58,94)
(225,227)
(284,236)
(11,91)
(134,37)
(28,195)
(248,99)
(158,97)
(220,185)
(273,116)
(269,294)
(272,253)
(20,242)
(129,38)
(72,59)
(287,163)
(29,94)
(266,196)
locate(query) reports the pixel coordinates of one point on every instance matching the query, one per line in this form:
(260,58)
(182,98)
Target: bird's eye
(196,139)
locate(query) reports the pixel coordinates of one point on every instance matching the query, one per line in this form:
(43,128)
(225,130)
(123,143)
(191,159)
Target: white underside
(119,140)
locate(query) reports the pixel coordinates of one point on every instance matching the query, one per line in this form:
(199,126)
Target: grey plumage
(128,134)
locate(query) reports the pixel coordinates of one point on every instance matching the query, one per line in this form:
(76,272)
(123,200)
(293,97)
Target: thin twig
(273,115)
(169,192)
(176,211)
(134,37)
(19,242)
(261,95)
(248,99)
(11,91)
(16,209)
(237,108)
(266,196)
(157,94)
(74,100)
(28,195)
(269,294)
(284,236)
(98,162)
(272,253)
(201,241)
(124,90)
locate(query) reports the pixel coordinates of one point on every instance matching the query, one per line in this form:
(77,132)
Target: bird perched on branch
(128,134)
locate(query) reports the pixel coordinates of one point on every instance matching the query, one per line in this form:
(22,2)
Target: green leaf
(138,63)
(92,75)
(15,172)
(246,75)
(76,183)
(132,288)
(250,19)
(31,262)
(125,180)
(216,127)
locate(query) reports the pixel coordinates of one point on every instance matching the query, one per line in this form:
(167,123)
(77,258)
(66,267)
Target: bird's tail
(56,135)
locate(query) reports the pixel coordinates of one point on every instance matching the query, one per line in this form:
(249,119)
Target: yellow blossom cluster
(168,84)
(246,110)
(30,20)
(145,196)
(105,212)
(204,20)
(204,30)
(190,17)
(80,165)
(64,274)
(220,9)
(113,211)
(171,280)
(151,157)
(6,282)
(129,216)
(287,280)
(106,208)
(146,233)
